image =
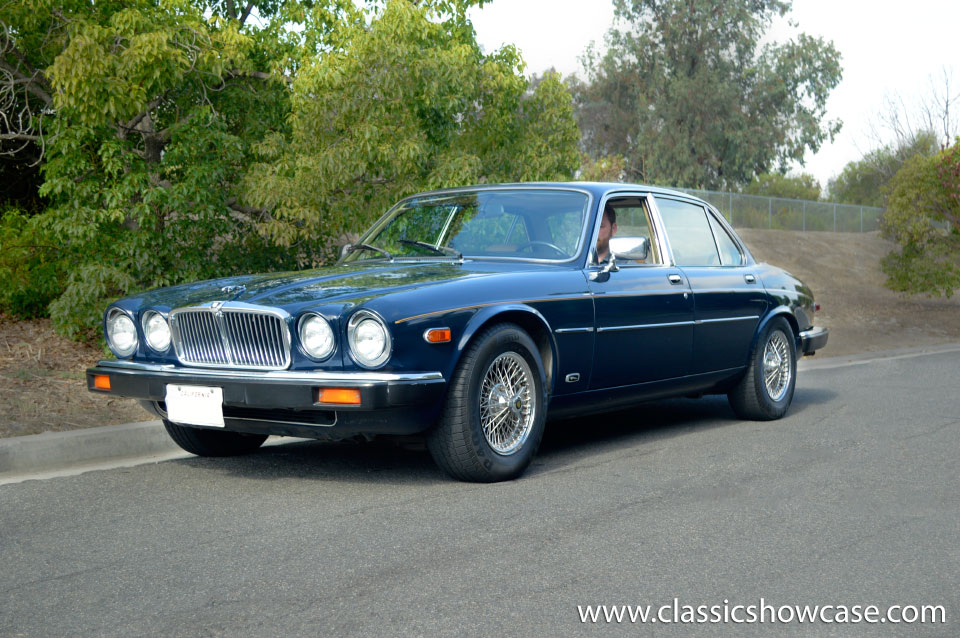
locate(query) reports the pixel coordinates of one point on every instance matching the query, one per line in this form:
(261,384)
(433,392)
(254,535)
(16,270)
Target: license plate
(195,405)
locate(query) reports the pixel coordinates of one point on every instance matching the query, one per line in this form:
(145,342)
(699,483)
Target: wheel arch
(779,311)
(532,322)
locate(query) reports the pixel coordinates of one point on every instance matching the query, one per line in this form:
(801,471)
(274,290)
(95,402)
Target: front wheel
(766,390)
(213,442)
(493,420)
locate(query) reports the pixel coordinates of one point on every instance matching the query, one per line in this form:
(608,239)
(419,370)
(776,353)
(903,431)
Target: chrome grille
(231,337)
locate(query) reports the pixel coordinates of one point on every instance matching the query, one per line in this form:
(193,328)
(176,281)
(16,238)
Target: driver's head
(608,228)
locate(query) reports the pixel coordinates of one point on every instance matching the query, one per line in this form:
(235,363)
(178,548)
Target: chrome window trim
(711,216)
(307,376)
(655,227)
(218,308)
(746,255)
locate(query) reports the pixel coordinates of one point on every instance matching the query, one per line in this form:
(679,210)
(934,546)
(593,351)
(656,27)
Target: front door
(644,311)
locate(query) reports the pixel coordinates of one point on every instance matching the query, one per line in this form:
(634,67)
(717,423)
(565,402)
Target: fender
(780,311)
(489,314)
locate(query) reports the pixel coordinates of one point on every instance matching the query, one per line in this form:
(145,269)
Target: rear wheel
(493,420)
(213,442)
(766,390)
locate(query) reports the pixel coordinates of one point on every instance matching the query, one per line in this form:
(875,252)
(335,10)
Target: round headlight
(156,331)
(316,336)
(369,339)
(121,333)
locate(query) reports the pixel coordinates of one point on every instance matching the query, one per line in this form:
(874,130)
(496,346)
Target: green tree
(182,139)
(402,104)
(609,168)
(690,97)
(923,216)
(865,182)
(802,186)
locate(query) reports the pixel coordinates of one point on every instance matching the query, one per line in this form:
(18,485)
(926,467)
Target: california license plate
(195,405)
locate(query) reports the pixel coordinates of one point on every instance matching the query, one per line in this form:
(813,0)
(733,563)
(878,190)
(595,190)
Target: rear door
(728,296)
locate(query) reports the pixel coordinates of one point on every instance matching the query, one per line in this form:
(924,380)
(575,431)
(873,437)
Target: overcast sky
(888,48)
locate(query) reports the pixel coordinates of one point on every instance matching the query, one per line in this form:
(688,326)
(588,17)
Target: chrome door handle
(750,279)
(675,279)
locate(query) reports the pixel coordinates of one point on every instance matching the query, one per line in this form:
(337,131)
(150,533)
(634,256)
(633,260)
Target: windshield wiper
(440,250)
(356,247)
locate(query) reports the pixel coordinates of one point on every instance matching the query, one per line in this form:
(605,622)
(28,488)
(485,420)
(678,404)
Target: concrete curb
(818,363)
(89,446)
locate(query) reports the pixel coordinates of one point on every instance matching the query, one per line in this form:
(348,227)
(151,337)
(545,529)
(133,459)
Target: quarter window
(730,254)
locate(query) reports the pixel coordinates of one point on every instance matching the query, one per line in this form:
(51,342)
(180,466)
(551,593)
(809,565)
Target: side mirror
(630,248)
(345,250)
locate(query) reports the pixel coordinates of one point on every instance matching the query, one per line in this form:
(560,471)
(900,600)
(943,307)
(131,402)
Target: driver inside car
(608,228)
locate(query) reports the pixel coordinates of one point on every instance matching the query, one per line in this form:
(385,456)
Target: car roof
(597,189)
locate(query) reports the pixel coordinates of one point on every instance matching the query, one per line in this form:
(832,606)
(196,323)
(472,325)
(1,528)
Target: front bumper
(813,339)
(286,402)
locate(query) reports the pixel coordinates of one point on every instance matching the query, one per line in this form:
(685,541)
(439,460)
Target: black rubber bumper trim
(814,339)
(270,393)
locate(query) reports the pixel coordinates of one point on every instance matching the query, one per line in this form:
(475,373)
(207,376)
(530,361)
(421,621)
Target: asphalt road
(853,498)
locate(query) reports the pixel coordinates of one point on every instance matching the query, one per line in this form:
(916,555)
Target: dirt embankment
(843,269)
(42,384)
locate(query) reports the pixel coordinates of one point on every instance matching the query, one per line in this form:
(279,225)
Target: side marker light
(437,335)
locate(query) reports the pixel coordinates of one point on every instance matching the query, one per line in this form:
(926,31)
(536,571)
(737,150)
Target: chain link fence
(754,211)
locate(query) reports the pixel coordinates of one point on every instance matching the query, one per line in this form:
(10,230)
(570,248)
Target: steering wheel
(530,244)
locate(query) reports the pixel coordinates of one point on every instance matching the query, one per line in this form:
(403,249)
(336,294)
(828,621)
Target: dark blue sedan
(471,315)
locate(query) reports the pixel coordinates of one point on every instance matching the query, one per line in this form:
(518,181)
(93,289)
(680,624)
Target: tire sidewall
(505,338)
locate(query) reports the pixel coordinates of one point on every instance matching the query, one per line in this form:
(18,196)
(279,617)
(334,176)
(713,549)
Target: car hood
(319,286)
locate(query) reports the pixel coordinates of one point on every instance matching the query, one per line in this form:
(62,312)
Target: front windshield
(519,224)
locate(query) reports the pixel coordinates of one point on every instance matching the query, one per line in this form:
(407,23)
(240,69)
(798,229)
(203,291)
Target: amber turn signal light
(343,396)
(101,382)
(437,335)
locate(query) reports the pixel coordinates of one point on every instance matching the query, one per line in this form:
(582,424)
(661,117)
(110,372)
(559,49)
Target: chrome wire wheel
(777,368)
(508,404)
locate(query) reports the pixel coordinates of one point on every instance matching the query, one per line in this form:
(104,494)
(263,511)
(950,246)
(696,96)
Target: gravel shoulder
(42,384)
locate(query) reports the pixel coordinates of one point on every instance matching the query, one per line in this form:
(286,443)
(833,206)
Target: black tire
(752,398)
(213,442)
(458,443)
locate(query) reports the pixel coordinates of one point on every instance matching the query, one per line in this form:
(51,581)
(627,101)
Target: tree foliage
(184,139)
(802,186)
(866,181)
(923,216)
(687,93)
(402,104)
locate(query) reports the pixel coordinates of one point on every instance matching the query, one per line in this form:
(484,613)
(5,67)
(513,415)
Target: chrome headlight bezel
(145,322)
(113,318)
(357,322)
(302,324)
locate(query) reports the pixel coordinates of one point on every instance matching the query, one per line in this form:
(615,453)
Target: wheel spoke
(777,365)
(507,408)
